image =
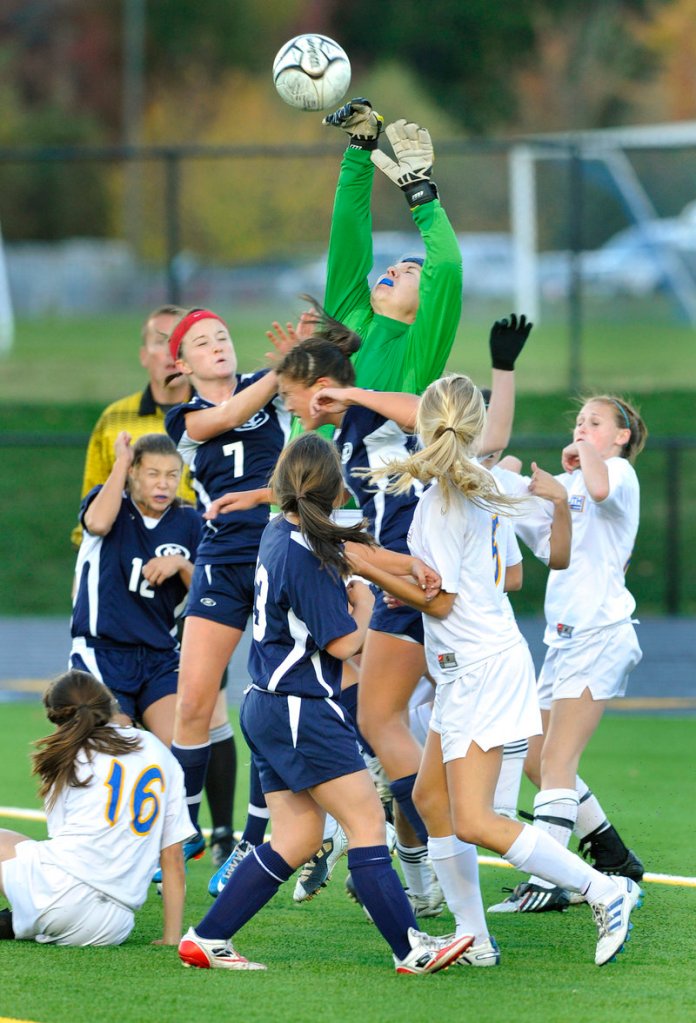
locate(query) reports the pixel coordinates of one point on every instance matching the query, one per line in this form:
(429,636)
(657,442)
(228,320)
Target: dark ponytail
(307,482)
(325,354)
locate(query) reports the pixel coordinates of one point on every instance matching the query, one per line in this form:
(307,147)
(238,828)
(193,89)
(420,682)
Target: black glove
(363,124)
(507,340)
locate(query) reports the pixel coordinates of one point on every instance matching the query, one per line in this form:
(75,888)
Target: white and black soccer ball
(311,72)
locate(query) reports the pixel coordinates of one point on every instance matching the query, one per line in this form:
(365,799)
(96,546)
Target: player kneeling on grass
(306,622)
(115,805)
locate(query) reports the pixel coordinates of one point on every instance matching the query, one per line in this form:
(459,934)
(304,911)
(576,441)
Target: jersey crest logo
(257,420)
(346,452)
(564,631)
(577,503)
(447,660)
(167,549)
(208,602)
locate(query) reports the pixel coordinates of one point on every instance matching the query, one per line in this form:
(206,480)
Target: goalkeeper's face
(396,293)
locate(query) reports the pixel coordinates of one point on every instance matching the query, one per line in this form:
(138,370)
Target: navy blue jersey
(113,600)
(368,440)
(298,609)
(240,459)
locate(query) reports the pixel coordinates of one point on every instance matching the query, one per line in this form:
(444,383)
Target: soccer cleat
(352,893)
(486,953)
(225,872)
(428,905)
(428,954)
(212,954)
(612,916)
(610,856)
(193,850)
(532,898)
(316,872)
(221,845)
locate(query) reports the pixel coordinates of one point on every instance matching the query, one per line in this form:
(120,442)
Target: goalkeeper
(409,319)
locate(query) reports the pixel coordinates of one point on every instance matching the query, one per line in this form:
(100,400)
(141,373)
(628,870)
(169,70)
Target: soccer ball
(311,72)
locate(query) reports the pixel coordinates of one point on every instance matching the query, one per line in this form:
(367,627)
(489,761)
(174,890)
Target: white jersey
(109,833)
(461,543)
(533,516)
(591,593)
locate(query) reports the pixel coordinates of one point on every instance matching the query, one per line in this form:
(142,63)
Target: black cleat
(532,898)
(609,855)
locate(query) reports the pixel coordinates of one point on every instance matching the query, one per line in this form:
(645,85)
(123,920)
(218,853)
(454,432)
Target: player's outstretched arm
(507,339)
(396,405)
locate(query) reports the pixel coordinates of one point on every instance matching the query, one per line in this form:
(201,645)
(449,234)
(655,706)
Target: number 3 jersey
(113,600)
(236,460)
(109,834)
(298,609)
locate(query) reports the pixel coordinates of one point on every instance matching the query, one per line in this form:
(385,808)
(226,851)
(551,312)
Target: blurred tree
(577,57)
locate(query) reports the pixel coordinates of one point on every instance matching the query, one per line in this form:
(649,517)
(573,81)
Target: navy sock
(257,812)
(194,763)
(382,894)
(254,883)
(349,700)
(402,790)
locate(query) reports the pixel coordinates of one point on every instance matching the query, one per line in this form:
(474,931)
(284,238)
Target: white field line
(20,814)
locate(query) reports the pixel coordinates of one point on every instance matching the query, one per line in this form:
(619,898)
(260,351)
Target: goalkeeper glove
(507,340)
(362,123)
(414,154)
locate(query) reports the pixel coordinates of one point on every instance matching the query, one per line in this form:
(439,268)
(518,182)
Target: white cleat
(429,954)
(612,916)
(212,954)
(486,953)
(316,872)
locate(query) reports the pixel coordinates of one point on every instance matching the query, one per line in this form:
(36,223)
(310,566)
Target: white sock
(330,825)
(537,853)
(555,811)
(507,791)
(419,721)
(416,868)
(591,816)
(456,866)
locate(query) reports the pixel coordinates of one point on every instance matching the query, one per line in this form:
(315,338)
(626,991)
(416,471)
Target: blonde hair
(626,417)
(451,418)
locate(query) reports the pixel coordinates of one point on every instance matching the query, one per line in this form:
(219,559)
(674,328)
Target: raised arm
(507,339)
(101,513)
(347,295)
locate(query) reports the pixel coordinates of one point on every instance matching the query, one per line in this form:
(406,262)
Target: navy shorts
(298,742)
(397,621)
(222,593)
(138,676)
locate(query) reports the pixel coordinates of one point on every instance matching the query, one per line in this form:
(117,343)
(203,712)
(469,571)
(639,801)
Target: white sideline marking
(485,861)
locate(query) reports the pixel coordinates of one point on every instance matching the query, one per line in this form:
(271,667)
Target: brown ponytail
(81,707)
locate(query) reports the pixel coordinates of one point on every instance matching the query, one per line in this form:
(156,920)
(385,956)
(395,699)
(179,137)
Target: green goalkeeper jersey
(394,356)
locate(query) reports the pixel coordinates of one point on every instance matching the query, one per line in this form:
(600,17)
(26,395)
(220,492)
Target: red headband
(177,335)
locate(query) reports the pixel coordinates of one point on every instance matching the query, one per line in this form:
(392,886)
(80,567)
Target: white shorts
(51,906)
(494,702)
(601,661)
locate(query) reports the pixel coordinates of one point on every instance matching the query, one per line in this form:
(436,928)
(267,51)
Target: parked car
(635,261)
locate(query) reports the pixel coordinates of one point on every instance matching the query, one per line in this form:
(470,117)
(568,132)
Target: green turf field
(326,963)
